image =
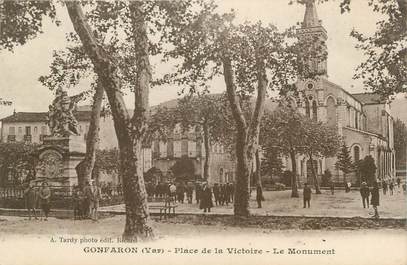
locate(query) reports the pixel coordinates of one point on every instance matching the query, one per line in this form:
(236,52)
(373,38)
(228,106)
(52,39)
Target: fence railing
(57,191)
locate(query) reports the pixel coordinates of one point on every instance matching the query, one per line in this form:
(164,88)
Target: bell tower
(312,31)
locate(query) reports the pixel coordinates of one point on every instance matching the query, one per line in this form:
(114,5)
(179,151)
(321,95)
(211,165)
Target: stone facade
(190,146)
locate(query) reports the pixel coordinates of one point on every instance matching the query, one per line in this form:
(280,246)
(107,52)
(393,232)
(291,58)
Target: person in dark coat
(216,193)
(190,191)
(375,199)
(391,187)
(222,194)
(30,196)
(307,195)
(332,187)
(364,192)
(259,195)
(87,194)
(198,191)
(77,204)
(232,192)
(384,184)
(181,192)
(228,193)
(206,199)
(45,199)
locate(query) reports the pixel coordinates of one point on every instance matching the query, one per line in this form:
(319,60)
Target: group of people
(223,193)
(38,198)
(86,201)
(374,195)
(205,196)
(389,185)
(365,193)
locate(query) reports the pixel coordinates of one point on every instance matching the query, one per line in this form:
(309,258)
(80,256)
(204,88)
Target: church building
(364,120)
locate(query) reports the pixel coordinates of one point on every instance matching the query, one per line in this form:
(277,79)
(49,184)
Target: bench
(166,208)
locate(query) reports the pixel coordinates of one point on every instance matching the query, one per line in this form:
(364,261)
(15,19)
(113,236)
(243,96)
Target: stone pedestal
(57,160)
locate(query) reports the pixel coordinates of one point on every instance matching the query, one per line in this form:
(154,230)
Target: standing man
(172,191)
(45,199)
(198,192)
(391,187)
(384,187)
(180,192)
(94,202)
(398,182)
(364,192)
(216,193)
(307,195)
(232,191)
(87,192)
(332,187)
(190,191)
(227,193)
(375,199)
(206,199)
(30,197)
(259,195)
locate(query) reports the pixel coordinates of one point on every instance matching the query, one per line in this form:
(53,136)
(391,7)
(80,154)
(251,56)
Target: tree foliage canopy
(21,21)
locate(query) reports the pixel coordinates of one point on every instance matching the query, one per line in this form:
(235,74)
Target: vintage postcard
(203,132)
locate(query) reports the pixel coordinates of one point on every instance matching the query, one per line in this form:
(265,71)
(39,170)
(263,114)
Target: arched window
(314,111)
(331,112)
(307,109)
(356,153)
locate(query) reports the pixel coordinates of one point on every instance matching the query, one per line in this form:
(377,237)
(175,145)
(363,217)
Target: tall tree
(367,169)
(252,58)
(131,21)
(344,162)
(282,129)
(272,163)
(129,130)
(319,140)
(203,112)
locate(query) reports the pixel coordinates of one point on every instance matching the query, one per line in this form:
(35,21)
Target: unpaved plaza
(280,203)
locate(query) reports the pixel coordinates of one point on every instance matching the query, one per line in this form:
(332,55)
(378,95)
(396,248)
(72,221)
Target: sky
(19,71)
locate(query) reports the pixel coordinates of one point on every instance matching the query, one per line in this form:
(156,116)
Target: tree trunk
(242,194)
(254,129)
(314,175)
(294,187)
(207,151)
(85,168)
(128,132)
(258,165)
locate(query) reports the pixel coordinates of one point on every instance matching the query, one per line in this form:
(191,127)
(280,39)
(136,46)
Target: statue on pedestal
(61,120)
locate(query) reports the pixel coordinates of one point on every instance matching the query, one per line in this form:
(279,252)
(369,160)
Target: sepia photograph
(203,132)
